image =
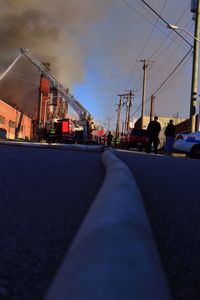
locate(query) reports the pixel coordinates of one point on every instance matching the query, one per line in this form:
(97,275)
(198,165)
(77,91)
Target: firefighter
(109,138)
(51,138)
(117,141)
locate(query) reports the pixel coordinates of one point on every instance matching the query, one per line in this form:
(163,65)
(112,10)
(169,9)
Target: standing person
(109,138)
(154,129)
(170,136)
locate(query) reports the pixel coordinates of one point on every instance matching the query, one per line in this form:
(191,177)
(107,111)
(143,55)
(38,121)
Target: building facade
(161,119)
(13,123)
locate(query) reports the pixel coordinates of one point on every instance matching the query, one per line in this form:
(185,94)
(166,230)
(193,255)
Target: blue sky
(115,43)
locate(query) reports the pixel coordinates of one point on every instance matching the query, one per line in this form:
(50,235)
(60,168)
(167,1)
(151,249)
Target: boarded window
(2,120)
(11,124)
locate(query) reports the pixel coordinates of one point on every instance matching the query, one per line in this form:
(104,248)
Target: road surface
(44,196)
(171,192)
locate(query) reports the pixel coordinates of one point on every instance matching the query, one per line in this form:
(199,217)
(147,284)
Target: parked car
(188,143)
(137,138)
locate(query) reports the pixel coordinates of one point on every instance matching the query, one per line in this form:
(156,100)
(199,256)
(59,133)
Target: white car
(188,143)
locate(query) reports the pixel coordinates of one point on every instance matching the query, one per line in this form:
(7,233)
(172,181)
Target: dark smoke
(51,31)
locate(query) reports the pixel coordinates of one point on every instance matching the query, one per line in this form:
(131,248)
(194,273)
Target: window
(11,124)
(2,120)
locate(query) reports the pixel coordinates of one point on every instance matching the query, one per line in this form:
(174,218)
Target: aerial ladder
(83,114)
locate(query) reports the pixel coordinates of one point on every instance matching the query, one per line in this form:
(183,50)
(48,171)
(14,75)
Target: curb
(113,255)
(76,147)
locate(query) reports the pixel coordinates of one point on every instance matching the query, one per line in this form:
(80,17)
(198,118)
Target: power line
(26,75)
(170,43)
(147,41)
(157,14)
(180,69)
(135,10)
(130,6)
(30,81)
(173,71)
(166,61)
(162,84)
(154,26)
(181,16)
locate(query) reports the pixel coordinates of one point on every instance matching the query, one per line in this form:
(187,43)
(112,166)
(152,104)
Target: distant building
(9,123)
(184,127)
(162,120)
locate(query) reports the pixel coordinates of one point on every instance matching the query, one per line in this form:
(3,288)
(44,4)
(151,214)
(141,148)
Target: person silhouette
(154,130)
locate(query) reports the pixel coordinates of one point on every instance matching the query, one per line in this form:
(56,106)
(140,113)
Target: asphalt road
(44,196)
(171,192)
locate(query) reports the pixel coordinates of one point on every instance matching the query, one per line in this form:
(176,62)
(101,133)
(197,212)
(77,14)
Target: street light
(174,27)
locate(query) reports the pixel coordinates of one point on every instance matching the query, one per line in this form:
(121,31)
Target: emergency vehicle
(188,144)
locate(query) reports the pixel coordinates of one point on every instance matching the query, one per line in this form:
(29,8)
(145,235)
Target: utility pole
(198,128)
(152,107)
(130,96)
(145,66)
(123,128)
(117,134)
(193,99)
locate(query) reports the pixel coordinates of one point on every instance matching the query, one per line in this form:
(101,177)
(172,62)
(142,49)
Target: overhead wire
(166,80)
(164,50)
(154,26)
(174,70)
(182,60)
(158,28)
(157,14)
(26,75)
(183,66)
(166,61)
(30,81)
(146,43)
(135,10)
(158,48)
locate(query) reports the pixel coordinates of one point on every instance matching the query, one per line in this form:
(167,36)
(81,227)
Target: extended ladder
(65,94)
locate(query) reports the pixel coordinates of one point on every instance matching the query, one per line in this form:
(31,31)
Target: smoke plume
(51,30)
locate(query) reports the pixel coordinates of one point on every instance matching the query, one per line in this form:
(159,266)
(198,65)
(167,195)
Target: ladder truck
(83,114)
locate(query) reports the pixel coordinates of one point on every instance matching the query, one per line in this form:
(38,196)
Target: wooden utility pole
(117,134)
(128,96)
(152,107)
(194,84)
(123,128)
(145,66)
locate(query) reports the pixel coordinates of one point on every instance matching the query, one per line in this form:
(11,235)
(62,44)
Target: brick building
(9,123)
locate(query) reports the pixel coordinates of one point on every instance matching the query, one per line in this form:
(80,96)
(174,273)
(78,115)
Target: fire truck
(67,131)
(64,131)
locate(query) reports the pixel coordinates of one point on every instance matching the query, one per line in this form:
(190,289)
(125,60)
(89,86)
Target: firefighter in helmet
(51,137)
